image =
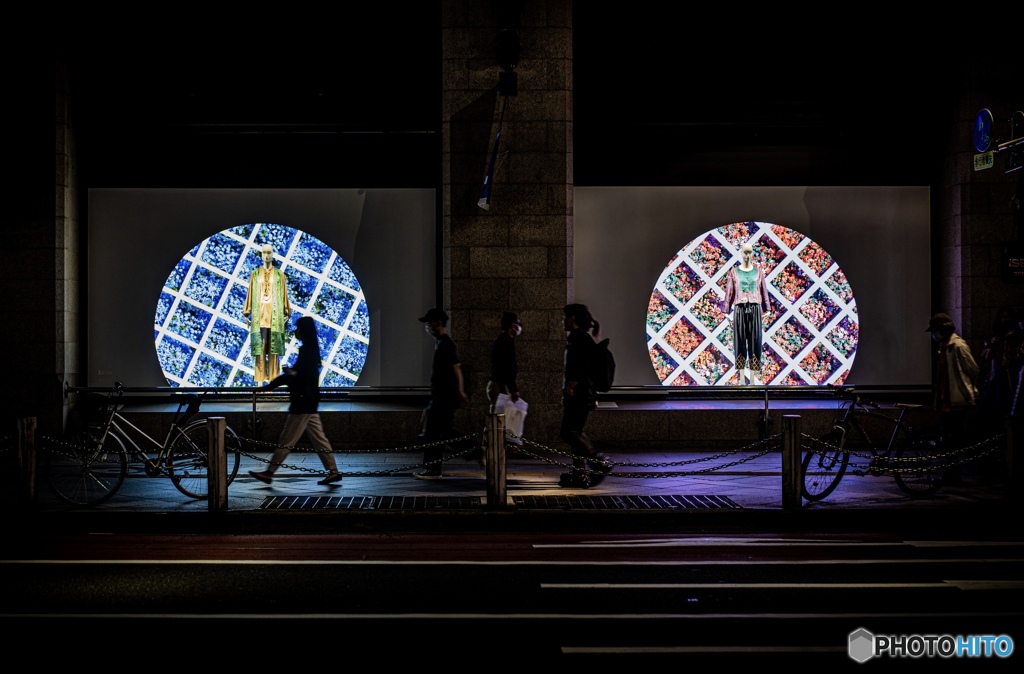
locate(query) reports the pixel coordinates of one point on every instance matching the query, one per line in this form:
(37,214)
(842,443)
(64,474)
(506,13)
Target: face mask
(936,337)
(518,330)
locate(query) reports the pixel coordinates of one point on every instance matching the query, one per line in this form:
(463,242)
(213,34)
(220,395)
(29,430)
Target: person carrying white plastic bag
(515,416)
(502,389)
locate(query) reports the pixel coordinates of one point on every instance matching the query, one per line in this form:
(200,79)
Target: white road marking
(734,586)
(590,650)
(456,562)
(780,542)
(987,584)
(952,584)
(510,616)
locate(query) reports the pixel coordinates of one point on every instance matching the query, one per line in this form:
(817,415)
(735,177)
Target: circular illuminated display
(202,337)
(810,331)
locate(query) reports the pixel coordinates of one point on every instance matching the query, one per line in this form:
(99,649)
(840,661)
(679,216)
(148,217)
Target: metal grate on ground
(628,502)
(370,503)
(570,502)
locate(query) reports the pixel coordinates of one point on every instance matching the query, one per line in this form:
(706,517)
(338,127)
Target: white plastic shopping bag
(515,415)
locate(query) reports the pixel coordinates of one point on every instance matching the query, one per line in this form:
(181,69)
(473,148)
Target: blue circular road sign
(983,130)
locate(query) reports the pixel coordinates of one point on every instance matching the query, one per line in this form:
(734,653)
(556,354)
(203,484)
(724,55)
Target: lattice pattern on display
(202,338)
(810,331)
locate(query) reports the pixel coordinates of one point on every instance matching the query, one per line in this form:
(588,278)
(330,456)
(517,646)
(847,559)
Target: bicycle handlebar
(857,401)
(848,393)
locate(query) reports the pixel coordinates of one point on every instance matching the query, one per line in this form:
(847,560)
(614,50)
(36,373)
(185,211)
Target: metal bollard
(497,493)
(217,470)
(791,492)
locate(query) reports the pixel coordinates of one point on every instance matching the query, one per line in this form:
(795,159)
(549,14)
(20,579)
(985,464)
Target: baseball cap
(434,314)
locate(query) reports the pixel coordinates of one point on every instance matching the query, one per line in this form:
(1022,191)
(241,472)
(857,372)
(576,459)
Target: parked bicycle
(912,455)
(90,468)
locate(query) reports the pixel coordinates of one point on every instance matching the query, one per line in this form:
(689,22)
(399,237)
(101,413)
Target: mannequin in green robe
(267,309)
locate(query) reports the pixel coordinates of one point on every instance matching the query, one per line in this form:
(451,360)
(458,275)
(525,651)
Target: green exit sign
(984,160)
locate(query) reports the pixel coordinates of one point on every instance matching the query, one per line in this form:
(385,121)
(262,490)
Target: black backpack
(602,367)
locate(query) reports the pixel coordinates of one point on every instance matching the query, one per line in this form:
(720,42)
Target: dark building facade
(414,98)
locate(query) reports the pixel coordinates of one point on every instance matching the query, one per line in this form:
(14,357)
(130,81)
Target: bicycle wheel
(823,466)
(82,472)
(918,471)
(187,461)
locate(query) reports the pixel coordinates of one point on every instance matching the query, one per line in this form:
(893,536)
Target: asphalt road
(485,601)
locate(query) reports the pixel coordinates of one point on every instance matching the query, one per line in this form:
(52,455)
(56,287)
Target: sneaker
(263,476)
(574,480)
(428,474)
(331,478)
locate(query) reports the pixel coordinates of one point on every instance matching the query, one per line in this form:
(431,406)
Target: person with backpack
(579,398)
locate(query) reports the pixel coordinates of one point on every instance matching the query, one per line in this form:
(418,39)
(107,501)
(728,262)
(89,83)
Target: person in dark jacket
(504,362)
(303,382)
(579,398)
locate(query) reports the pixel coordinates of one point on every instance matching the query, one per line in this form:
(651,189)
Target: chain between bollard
(914,465)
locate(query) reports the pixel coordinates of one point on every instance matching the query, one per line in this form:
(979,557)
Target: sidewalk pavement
(379,493)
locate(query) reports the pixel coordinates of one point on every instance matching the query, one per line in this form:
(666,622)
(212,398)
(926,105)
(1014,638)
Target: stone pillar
(977,217)
(68,251)
(516,254)
(40,282)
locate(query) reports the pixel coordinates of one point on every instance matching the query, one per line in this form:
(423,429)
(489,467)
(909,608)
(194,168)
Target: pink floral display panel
(810,330)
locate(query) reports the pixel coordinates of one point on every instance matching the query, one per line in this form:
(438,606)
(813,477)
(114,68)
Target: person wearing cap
(954,385)
(447,393)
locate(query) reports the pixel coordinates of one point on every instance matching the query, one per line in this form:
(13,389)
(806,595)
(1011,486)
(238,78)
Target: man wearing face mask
(447,394)
(504,363)
(954,385)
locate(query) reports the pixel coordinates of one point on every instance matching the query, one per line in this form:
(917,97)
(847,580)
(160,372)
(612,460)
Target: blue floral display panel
(202,338)
(810,331)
